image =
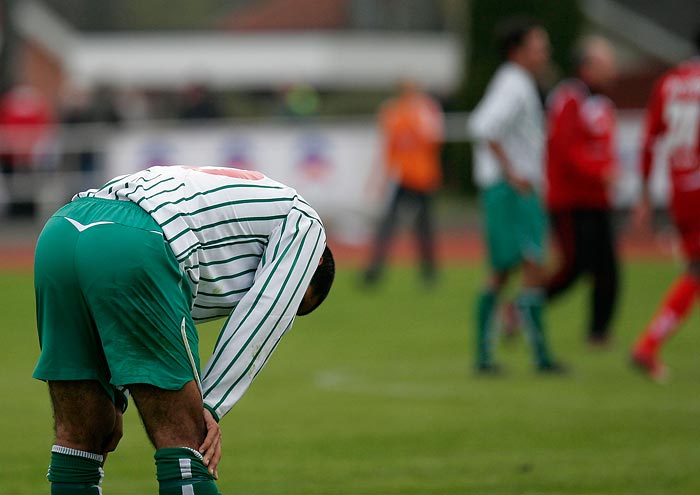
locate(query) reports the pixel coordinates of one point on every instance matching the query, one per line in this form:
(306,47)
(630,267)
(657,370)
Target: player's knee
(84,416)
(172,418)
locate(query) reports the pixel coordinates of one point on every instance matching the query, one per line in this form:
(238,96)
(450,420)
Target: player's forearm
(266,312)
(500,153)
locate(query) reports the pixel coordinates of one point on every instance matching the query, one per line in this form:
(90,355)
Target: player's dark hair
(321,282)
(511,33)
(696,39)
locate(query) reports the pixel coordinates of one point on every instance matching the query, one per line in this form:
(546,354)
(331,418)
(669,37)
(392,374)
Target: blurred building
(649,37)
(335,45)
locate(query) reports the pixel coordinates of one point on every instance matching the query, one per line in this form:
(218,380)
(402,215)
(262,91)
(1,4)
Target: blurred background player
(581,167)
(673,119)
(412,130)
(507,124)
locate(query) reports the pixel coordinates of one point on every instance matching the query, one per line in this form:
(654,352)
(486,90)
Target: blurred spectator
(507,125)
(81,106)
(199,103)
(673,128)
(301,100)
(132,105)
(581,168)
(412,128)
(26,123)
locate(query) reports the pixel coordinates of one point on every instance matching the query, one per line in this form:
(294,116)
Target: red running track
(452,247)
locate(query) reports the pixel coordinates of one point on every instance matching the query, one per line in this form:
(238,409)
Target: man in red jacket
(581,167)
(672,138)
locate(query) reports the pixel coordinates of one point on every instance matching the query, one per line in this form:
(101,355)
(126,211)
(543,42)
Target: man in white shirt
(507,126)
(123,273)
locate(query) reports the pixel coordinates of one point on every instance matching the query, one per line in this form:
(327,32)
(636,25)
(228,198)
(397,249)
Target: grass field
(374,395)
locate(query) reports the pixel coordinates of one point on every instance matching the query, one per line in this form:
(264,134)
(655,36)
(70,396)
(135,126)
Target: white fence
(334,163)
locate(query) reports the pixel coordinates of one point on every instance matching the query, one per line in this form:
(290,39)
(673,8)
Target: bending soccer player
(673,118)
(123,273)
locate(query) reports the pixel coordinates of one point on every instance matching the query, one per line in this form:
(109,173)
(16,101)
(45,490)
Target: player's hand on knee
(211,447)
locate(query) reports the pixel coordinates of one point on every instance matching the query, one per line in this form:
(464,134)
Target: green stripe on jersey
(227,277)
(253,306)
(203,306)
(223,294)
(306,214)
(272,331)
(228,260)
(223,205)
(165,191)
(249,238)
(224,222)
(211,191)
(141,186)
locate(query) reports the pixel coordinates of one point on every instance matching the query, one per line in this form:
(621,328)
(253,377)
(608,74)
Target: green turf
(374,395)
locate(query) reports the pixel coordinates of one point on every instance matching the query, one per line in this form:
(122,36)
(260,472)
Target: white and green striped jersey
(248,246)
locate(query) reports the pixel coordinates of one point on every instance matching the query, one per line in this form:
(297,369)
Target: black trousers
(587,245)
(404,198)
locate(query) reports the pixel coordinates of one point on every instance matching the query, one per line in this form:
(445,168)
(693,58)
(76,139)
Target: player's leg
(498,203)
(486,304)
(174,422)
(530,305)
(84,415)
(604,270)
(385,231)
(673,310)
(72,362)
(87,425)
(569,268)
(425,237)
(530,225)
(139,301)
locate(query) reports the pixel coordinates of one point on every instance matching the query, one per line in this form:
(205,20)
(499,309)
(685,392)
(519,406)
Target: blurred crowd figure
(81,107)
(412,126)
(199,103)
(299,101)
(673,118)
(507,125)
(26,125)
(581,167)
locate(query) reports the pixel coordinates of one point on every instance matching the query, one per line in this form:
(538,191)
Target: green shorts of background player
(514,229)
(113,313)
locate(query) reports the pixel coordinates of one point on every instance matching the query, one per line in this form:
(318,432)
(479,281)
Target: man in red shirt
(581,166)
(672,137)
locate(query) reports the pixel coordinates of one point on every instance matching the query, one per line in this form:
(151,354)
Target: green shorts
(514,226)
(111,301)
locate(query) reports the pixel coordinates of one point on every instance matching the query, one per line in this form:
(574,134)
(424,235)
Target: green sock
(181,472)
(530,304)
(74,472)
(486,304)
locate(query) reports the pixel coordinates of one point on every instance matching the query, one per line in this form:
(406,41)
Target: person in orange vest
(412,129)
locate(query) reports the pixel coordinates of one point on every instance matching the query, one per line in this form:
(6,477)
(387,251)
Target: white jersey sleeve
(266,312)
(498,109)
